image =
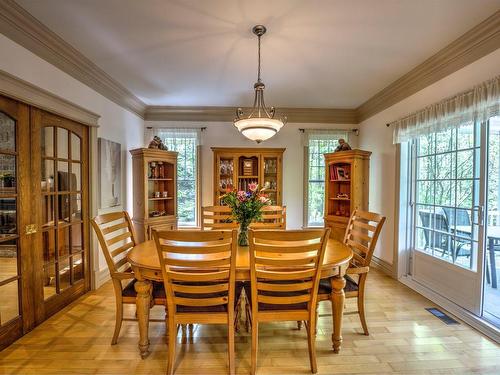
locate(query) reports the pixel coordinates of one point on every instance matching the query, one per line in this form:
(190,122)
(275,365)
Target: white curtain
(165,133)
(478,104)
(323,134)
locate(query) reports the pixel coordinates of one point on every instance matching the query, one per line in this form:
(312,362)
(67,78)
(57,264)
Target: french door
(44,235)
(448,213)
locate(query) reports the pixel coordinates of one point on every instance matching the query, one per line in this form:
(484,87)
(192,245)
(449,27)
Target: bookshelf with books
(237,168)
(346,188)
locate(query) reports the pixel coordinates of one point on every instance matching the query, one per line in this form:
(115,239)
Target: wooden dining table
(145,263)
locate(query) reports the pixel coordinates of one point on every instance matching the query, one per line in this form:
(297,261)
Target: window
(186,143)
(317,143)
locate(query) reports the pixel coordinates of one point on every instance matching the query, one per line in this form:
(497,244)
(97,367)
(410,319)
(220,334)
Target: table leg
(491,245)
(338,298)
(143,299)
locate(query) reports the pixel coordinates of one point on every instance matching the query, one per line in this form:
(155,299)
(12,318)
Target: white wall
(116,123)
(289,137)
(376,137)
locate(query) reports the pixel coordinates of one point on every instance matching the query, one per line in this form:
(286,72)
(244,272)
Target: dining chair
(285,271)
(116,236)
(362,232)
(199,279)
(217,217)
(272,217)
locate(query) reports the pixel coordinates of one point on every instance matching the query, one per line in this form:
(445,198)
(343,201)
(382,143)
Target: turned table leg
(338,297)
(143,289)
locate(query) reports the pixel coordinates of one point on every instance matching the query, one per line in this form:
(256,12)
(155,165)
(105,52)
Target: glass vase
(243,236)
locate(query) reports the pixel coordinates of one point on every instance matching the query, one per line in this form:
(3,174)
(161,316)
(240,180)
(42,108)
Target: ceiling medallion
(260,124)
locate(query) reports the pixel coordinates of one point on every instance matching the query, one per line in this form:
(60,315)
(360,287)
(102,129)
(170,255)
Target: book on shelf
(338,173)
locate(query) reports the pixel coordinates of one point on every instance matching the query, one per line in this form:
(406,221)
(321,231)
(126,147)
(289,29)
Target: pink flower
(252,187)
(263,199)
(241,195)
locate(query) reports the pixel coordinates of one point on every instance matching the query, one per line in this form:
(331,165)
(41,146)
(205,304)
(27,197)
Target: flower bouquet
(245,207)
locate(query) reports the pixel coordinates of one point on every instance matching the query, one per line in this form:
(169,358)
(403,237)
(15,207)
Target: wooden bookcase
(238,167)
(346,188)
(155,191)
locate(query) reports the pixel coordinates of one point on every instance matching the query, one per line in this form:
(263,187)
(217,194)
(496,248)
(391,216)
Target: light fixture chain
(258,71)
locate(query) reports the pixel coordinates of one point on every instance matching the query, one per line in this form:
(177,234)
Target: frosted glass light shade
(258,129)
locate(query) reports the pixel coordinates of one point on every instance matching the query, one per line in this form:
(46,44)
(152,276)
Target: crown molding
(21,27)
(211,114)
(471,46)
(30,94)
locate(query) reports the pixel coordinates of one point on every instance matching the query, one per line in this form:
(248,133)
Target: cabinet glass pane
(7,173)
(7,133)
(47,175)
(75,147)
(62,143)
(8,221)
(9,305)
(8,259)
(48,141)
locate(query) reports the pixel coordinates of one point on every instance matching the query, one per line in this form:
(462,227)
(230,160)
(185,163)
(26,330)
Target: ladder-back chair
(217,218)
(273,217)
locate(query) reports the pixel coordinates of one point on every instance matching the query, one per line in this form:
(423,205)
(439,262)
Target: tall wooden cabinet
(155,191)
(346,188)
(238,167)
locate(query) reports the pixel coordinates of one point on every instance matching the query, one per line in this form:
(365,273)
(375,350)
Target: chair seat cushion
(274,307)
(158,290)
(326,288)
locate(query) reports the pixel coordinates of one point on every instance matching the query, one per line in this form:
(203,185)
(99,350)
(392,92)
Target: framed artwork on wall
(110,163)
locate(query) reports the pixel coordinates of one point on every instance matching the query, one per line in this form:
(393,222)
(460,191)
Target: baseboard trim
(383,266)
(100,277)
(481,325)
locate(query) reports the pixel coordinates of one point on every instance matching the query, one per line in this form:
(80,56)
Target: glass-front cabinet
(237,168)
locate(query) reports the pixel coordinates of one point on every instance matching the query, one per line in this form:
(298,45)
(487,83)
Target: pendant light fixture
(260,124)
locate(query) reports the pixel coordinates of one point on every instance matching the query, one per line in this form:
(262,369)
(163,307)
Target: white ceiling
(317,53)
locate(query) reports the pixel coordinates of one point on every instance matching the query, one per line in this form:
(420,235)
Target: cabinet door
(271,177)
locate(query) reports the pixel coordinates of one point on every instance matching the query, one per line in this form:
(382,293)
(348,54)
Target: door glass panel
(62,143)
(447,190)
(491,296)
(49,280)
(48,141)
(77,264)
(49,245)
(76,177)
(48,213)
(75,147)
(62,176)
(47,175)
(63,241)
(64,273)
(8,217)
(9,308)
(63,202)
(76,238)
(7,173)
(7,133)
(76,207)
(8,259)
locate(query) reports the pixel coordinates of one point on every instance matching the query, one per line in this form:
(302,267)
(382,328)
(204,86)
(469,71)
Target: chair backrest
(285,266)
(217,217)
(116,236)
(272,217)
(198,267)
(362,234)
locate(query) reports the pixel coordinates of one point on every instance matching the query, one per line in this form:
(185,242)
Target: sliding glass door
(448,210)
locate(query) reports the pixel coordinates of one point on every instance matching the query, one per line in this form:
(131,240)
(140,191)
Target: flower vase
(243,236)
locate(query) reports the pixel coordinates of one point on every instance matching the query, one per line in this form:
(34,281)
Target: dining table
(145,263)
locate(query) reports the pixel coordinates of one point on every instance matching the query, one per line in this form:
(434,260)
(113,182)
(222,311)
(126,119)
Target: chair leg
(361,307)
(237,316)
(118,321)
(248,317)
(172,338)
(230,347)
(255,345)
(311,343)
(299,324)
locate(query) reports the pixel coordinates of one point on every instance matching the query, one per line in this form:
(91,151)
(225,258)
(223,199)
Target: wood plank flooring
(405,339)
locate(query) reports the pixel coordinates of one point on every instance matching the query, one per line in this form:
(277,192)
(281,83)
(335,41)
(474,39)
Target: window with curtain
(317,143)
(186,143)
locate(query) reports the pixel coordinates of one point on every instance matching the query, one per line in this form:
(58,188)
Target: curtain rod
(355,130)
(203,128)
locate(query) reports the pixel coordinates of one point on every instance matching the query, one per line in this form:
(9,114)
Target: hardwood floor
(404,339)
